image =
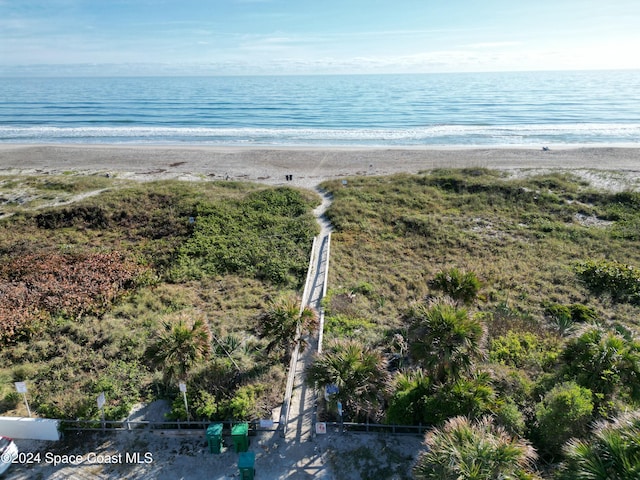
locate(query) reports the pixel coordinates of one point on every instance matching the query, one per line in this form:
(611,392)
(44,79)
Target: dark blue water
(369,110)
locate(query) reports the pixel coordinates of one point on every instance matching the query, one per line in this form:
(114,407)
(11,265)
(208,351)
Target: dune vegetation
(487,295)
(128,288)
(511,301)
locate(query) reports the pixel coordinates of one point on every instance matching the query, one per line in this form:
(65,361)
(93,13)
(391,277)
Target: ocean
(458,109)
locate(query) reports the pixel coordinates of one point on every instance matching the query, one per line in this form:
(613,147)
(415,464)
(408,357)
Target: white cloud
(486,45)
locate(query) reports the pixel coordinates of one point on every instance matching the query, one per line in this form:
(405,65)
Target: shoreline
(309,165)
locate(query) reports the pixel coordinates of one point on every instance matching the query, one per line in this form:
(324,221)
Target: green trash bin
(246,465)
(240,437)
(214,437)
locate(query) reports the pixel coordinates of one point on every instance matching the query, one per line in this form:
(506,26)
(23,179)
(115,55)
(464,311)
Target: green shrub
(121,383)
(364,288)
(511,383)
(470,397)
(564,412)
(628,199)
(10,401)
(417,400)
(523,349)
(243,405)
(619,281)
(565,317)
(418,224)
(514,348)
(343,326)
(407,404)
(202,406)
(581,313)
(178,411)
(267,236)
(508,415)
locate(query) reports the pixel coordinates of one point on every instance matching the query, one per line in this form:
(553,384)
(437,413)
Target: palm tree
(281,321)
(465,450)
(607,362)
(445,339)
(612,452)
(358,371)
(182,343)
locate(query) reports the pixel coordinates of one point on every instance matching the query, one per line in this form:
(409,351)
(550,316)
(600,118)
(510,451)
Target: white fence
(30,428)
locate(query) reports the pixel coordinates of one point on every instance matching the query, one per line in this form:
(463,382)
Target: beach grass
(522,236)
(557,260)
(87,343)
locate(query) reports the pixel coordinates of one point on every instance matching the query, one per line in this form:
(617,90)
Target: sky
(231,37)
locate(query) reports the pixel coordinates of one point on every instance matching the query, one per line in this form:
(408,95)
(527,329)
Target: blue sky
(319,36)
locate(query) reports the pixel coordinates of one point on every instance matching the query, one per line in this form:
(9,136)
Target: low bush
(407,404)
(266,236)
(523,349)
(618,281)
(35,286)
(563,413)
(565,317)
(472,397)
(341,326)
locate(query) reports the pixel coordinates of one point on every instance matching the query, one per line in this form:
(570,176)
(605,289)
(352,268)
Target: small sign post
(21,387)
(101,400)
(266,423)
(321,428)
(341,418)
(183,389)
(330,390)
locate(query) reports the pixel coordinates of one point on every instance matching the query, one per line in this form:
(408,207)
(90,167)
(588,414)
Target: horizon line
(85,74)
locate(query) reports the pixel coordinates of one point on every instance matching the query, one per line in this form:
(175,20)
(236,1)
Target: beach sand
(308,166)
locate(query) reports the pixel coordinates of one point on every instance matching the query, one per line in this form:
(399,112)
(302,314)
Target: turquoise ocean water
(486,109)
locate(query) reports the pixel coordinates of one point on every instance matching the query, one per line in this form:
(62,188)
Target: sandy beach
(308,166)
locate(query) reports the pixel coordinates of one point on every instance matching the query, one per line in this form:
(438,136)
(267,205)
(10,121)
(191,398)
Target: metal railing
(254,426)
(119,425)
(341,427)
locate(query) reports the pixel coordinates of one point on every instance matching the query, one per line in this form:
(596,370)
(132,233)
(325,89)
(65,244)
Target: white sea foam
(430,135)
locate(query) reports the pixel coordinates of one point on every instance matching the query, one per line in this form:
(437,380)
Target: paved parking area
(142,454)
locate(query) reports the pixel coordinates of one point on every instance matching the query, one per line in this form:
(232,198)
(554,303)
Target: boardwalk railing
(324,294)
(337,427)
(286,402)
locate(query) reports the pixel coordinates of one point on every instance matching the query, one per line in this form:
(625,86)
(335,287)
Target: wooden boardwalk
(302,407)
(303,398)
